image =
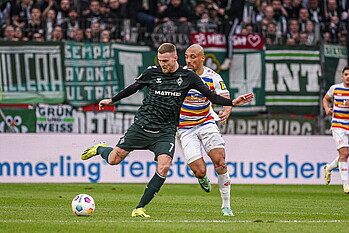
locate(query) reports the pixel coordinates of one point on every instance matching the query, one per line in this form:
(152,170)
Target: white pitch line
(191,211)
(174,221)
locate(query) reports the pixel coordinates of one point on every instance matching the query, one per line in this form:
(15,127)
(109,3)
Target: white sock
(224,189)
(333,164)
(343,170)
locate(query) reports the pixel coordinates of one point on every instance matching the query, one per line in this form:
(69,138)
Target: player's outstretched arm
(130,90)
(243,99)
(104,103)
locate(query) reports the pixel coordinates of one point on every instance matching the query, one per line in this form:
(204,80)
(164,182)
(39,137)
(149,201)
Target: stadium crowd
(279,21)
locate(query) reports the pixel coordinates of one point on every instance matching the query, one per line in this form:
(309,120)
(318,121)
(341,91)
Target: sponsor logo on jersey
(179,80)
(223,86)
(168,93)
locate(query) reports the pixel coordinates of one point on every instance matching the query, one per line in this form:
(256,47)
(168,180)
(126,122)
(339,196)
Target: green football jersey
(165,95)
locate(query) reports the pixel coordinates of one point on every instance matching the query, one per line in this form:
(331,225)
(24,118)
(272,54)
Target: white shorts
(340,137)
(192,140)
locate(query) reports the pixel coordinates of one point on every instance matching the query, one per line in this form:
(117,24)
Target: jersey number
(171,148)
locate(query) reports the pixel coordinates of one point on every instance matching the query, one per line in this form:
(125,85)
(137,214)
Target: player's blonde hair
(167,48)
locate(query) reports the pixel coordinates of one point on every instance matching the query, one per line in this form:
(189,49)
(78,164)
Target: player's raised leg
(113,156)
(92,151)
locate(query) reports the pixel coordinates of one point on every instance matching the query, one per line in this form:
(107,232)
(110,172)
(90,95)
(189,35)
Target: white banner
(250,159)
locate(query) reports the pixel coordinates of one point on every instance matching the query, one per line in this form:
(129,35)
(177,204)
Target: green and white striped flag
(293,80)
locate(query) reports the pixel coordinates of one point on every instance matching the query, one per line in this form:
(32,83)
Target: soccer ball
(83,205)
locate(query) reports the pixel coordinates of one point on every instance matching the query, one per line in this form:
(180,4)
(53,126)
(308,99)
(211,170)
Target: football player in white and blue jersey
(197,127)
(339,126)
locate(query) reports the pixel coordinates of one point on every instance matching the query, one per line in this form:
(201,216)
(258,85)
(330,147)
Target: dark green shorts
(138,138)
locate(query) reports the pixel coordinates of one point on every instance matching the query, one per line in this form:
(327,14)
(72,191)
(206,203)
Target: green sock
(151,189)
(104,152)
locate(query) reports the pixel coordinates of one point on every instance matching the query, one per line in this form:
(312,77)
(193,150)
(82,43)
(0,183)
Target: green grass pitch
(177,208)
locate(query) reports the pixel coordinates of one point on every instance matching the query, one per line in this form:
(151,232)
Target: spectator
(210,22)
(84,8)
(21,13)
(303,38)
(290,41)
(128,10)
(333,10)
(280,16)
(313,38)
(88,35)
(249,29)
(4,8)
(114,20)
(199,10)
(202,24)
(148,14)
(271,35)
(288,6)
(95,32)
(104,8)
(114,11)
(105,36)
(50,6)
(35,24)
(95,15)
(316,12)
(71,23)
(57,34)
(9,34)
(19,34)
(77,35)
(296,6)
(38,37)
(49,24)
(62,12)
(176,11)
(250,12)
(293,30)
(269,18)
(42,4)
(303,18)
(261,11)
(343,40)
(213,12)
(232,17)
(333,29)
(326,37)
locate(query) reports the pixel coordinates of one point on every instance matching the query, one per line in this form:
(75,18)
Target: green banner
(90,72)
(240,79)
(246,74)
(130,62)
(54,118)
(31,73)
(335,60)
(17,120)
(293,77)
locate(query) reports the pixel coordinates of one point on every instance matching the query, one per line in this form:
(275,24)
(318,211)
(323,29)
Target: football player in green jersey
(156,121)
